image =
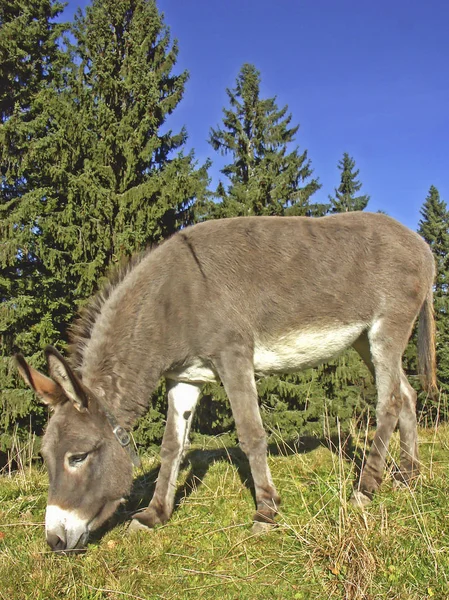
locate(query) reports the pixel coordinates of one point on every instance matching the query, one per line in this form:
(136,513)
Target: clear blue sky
(367,78)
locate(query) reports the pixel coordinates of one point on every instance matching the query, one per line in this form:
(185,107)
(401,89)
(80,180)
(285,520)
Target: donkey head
(89,470)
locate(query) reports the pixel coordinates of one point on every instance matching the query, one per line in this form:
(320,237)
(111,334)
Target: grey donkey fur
(227,300)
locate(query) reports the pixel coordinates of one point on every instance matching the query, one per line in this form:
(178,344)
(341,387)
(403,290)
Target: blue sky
(367,78)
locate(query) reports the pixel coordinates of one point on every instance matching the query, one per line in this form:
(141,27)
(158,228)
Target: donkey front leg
(236,371)
(182,400)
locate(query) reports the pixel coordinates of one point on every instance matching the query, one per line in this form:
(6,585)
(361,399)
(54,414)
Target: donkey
(230,299)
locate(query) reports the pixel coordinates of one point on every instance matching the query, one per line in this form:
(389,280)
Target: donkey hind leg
(386,348)
(409,466)
(236,371)
(182,399)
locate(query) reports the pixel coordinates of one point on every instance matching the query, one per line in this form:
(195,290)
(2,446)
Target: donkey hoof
(136,525)
(359,499)
(262,527)
(149,518)
(399,485)
(403,479)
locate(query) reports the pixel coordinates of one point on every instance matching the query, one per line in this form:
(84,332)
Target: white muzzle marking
(67,525)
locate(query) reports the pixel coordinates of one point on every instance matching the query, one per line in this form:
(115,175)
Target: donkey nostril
(55,542)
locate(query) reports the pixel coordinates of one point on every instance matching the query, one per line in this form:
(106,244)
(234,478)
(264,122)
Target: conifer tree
(267,176)
(345,198)
(346,379)
(29,59)
(104,174)
(28,50)
(434,228)
(131,185)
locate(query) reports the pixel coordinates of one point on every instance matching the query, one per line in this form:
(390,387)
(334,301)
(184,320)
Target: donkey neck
(124,357)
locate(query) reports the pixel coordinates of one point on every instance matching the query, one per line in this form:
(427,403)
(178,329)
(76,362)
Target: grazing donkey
(226,300)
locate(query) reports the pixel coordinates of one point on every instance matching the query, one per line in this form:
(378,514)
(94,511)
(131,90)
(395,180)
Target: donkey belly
(292,352)
(301,350)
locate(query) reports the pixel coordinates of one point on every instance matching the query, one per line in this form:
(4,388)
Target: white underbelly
(304,349)
(197,371)
(288,353)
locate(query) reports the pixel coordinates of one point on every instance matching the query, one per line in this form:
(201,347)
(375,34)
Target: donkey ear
(48,390)
(63,374)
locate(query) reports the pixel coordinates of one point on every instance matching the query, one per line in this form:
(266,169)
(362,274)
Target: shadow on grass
(200,461)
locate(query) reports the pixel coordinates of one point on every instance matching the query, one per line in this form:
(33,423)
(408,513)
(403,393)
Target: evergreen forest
(91,173)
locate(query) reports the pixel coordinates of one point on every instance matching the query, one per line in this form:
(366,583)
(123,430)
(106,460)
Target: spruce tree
(267,175)
(30,58)
(434,228)
(130,184)
(345,198)
(28,50)
(104,174)
(346,379)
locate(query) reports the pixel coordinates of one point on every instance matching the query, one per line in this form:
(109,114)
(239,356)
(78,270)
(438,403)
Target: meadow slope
(323,548)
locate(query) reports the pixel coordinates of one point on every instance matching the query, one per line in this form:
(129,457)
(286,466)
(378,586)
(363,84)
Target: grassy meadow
(322,548)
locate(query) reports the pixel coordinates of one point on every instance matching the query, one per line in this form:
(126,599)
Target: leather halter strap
(123,438)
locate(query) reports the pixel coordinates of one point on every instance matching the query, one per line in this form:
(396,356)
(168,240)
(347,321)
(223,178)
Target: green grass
(322,548)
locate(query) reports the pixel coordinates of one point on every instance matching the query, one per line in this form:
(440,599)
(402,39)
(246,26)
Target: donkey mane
(80,331)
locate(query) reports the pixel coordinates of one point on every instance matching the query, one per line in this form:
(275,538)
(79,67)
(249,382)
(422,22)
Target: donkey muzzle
(65,530)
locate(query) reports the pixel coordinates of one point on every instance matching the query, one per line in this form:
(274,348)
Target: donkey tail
(426,345)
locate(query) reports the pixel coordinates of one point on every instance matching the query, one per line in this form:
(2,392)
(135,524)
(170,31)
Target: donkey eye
(77,459)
